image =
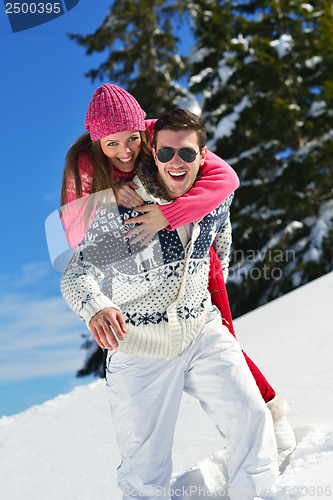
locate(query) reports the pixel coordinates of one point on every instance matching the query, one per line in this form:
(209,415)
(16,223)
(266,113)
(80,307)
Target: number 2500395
(33,8)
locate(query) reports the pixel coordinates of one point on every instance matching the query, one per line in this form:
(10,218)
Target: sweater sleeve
(80,288)
(90,265)
(223,240)
(222,245)
(85,169)
(217,182)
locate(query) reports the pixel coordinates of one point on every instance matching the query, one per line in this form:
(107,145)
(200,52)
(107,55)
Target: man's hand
(152,222)
(127,196)
(107,326)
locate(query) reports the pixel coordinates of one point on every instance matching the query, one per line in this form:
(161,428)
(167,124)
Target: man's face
(176,175)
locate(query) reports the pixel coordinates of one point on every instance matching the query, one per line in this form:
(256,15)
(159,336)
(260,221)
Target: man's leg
(145,397)
(218,376)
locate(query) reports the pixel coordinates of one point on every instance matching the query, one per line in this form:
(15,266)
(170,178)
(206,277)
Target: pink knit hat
(111,110)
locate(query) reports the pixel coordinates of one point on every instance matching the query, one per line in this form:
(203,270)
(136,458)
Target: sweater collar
(119,176)
(149,189)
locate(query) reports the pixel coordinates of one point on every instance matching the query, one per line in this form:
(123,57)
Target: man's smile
(177,175)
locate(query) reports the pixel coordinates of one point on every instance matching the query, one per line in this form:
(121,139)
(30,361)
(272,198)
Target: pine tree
(262,69)
(138,36)
(266,89)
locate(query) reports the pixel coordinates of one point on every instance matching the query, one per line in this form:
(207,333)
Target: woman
(104,158)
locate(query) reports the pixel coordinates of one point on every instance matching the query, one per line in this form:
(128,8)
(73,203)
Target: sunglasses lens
(187,154)
(165,154)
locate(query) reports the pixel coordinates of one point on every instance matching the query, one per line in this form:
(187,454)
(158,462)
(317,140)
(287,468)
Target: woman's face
(122,148)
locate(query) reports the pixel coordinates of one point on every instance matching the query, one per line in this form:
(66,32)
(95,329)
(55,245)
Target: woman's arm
(73,213)
(218,181)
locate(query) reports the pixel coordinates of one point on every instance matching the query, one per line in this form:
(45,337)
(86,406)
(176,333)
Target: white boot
(284,435)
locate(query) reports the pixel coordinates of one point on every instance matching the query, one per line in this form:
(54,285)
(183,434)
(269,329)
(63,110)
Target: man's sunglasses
(186,154)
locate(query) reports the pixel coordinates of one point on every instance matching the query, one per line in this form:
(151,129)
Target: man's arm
(223,239)
(108,326)
(80,287)
(222,245)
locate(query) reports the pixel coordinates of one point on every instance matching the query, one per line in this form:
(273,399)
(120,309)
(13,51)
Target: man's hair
(181,119)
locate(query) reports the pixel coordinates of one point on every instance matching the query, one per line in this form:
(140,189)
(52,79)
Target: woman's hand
(127,196)
(108,326)
(150,223)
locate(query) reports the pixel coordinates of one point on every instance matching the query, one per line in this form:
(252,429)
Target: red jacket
(218,291)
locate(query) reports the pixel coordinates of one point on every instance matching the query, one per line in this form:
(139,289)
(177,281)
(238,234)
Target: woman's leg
(217,289)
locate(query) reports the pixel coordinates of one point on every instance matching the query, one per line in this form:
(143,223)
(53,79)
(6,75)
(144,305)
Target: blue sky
(44,96)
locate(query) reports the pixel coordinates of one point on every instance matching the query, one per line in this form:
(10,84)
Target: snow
(265,214)
(307,7)
(304,151)
(66,448)
(249,59)
(200,76)
(245,154)
(190,103)
(187,101)
(311,63)
(318,14)
(320,231)
(225,71)
(197,55)
(282,45)
(253,182)
(317,108)
(227,124)
(294,106)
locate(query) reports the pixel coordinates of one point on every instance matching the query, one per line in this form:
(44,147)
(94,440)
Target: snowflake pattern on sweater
(161,289)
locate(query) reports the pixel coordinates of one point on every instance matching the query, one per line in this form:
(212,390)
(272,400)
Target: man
(154,316)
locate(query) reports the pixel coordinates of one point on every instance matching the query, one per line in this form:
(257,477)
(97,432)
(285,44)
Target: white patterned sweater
(161,289)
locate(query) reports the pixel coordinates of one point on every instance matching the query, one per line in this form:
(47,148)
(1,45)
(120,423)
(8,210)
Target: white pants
(145,397)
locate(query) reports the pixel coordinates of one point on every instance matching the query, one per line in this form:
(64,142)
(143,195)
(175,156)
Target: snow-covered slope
(65,449)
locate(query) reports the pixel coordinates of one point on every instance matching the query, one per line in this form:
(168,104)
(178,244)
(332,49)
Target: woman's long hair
(102,170)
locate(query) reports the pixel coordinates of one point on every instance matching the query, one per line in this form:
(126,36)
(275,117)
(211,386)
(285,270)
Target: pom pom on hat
(111,110)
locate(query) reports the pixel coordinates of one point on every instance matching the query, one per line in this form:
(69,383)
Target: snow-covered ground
(65,449)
